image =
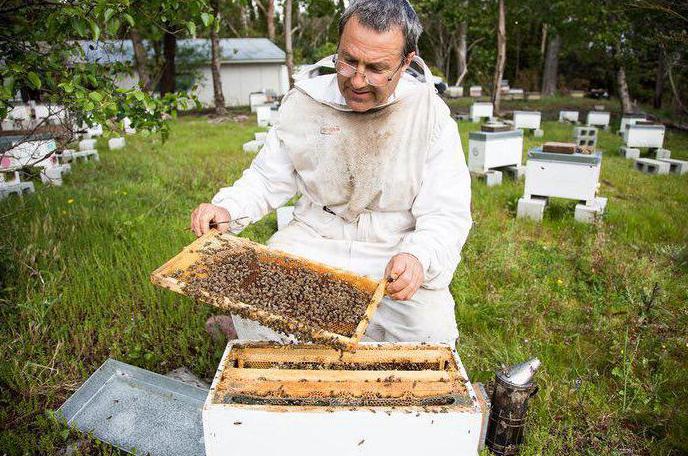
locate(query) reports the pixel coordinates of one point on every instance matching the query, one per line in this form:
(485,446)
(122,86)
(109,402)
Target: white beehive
(640,135)
(630,119)
(401,399)
(480,110)
(572,176)
(34,152)
(489,150)
(263,116)
(475,91)
(568,116)
(116,143)
(598,119)
(256,99)
(454,91)
(529,120)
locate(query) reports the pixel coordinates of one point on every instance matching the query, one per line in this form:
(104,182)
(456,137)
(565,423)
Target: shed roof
(232,50)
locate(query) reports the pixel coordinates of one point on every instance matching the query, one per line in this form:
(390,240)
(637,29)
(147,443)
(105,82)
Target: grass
(75,260)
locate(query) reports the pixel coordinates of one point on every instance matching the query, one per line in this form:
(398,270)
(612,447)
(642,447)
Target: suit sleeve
(442,209)
(266,185)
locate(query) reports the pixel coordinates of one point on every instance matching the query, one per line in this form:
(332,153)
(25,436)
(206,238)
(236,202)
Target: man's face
(368,50)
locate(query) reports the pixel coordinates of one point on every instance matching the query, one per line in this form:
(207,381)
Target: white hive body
(116,143)
(638,135)
(87,144)
(93,132)
(487,150)
(568,116)
(529,120)
(454,91)
(475,91)
(263,116)
(481,110)
(573,176)
(256,99)
(598,119)
(630,119)
(34,152)
(320,423)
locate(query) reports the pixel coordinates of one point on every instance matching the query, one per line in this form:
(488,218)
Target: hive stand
(569,116)
(70,155)
(585,137)
(679,167)
(650,166)
(11,184)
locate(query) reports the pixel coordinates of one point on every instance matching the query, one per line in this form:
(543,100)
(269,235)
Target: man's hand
(405,274)
(205,214)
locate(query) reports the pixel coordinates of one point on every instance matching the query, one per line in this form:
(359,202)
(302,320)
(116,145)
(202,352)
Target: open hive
(307,399)
(284,292)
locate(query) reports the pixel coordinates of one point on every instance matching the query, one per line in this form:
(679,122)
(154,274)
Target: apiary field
(605,307)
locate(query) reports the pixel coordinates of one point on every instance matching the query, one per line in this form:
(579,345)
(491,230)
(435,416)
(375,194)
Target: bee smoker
(512,388)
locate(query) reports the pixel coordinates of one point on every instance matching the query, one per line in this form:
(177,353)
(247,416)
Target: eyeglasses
(371,77)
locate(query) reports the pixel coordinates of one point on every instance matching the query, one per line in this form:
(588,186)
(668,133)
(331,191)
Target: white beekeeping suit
(372,185)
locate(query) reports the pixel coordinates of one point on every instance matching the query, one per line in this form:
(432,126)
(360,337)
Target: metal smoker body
(513,387)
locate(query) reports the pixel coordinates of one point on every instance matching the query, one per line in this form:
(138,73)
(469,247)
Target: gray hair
(382,15)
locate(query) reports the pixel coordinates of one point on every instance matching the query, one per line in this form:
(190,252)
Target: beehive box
(490,150)
(527,119)
(284,292)
(401,399)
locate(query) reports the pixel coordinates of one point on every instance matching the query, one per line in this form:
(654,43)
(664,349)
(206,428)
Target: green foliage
(48,62)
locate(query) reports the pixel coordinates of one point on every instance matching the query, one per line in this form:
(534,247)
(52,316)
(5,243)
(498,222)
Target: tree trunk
(501,57)
(626,105)
(659,82)
(461,53)
(140,59)
(167,82)
(270,16)
(550,74)
(287,41)
(220,109)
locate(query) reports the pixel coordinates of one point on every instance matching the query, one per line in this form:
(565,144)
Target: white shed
(247,65)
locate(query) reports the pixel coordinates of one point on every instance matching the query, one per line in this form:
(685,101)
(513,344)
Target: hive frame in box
(163,277)
(240,428)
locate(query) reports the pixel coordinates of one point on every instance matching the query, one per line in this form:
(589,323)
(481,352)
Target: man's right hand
(205,215)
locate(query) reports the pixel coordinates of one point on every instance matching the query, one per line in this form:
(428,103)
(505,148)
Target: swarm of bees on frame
(307,299)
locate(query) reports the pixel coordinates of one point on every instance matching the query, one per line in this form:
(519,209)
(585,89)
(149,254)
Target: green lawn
(75,263)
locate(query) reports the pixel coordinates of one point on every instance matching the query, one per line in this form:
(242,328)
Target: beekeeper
(377,162)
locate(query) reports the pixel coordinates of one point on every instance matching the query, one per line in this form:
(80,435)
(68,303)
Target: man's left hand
(406,275)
